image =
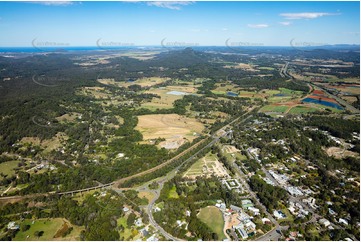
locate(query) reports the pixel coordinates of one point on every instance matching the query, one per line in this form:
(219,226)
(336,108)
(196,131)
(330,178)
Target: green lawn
(49,226)
(273,108)
(7,168)
(302,109)
(127,231)
(214,219)
(289,91)
(173,193)
(266,68)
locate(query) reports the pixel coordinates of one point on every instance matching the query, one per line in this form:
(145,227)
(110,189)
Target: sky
(106,24)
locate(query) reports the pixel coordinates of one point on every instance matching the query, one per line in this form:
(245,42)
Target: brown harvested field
(243,66)
(349,99)
(64,228)
(143,82)
(230,149)
(340,153)
(168,126)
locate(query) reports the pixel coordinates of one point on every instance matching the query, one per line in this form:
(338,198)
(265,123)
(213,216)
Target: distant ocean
(61,49)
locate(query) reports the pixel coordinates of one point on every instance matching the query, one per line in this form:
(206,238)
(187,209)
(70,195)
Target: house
(13,226)
(221,206)
(330,211)
(241,232)
(254,211)
(278,214)
(144,232)
(120,155)
(324,222)
(138,222)
(266,221)
(247,203)
(235,208)
(343,221)
(250,225)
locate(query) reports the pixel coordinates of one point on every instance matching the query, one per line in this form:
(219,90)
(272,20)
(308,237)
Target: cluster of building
(297,210)
(245,226)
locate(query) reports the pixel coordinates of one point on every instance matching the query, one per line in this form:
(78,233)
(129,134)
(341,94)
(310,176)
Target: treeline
(338,127)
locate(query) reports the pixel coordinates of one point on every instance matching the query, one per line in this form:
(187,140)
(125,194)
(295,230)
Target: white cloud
(258,26)
(224,29)
(305,15)
(170,5)
(54,3)
(285,23)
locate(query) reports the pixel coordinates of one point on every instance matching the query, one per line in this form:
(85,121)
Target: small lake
(280,95)
(177,93)
(232,94)
(325,103)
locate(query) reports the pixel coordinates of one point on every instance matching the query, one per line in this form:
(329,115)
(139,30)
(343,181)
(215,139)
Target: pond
(232,94)
(325,103)
(177,93)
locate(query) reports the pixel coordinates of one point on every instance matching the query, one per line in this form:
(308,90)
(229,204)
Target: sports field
(214,219)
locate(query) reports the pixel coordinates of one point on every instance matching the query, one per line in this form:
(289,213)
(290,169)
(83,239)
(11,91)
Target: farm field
(214,219)
(302,109)
(143,82)
(274,108)
(174,128)
(51,227)
(167,96)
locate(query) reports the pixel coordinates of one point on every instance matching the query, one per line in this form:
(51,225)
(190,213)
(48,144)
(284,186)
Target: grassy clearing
(302,109)
(50,228)
(214,219)
(173,193)
(196,167)
(127,232)
(147,195)
(289,91)
(274,108)
(7,168)
(266,68)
